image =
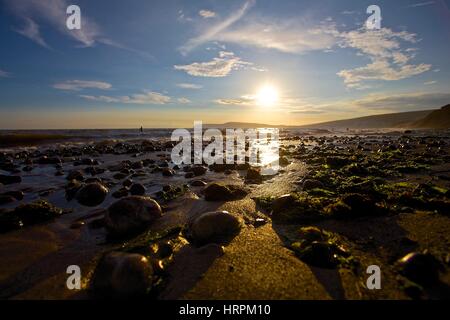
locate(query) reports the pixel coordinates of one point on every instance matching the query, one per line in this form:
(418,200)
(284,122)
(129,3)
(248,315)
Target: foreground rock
(353,206)
(120,275)
(131,214)
(220,192)
(253,175)
(214,227)
(422,268)
(319,248)
(92,195)
(36,212)
(137,189)
(296,208)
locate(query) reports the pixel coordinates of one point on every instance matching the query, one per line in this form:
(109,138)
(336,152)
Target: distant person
(141,130)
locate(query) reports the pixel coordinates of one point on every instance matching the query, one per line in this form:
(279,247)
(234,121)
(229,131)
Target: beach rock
(422,268)
(337,162)
(310,184)
(120,176)
(164,249)
(189,175)
(137,189)
(214,227)
(317,253)
(122,275)
(18,195)
(293,208)
(131,214)
(5,179)
(354,205)
(166,172)
(49,160)
(27,168)
(75,175)
(198,170)
(283,161)
(283,202)
(37,212)
(127,182)
(93,171)
(72,188)
(137,165)
(198,183)
(92,194)
(220,192)
(253,174)
(312,234)
(122,192)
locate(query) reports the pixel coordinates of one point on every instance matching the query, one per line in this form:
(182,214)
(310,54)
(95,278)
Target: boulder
(122,275)
(215,227)
(131,214)
(92,194)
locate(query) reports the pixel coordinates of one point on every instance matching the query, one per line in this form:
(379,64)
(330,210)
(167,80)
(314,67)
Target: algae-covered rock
(37,212)
(220,192)
(319,248)
(317,253)
(296,208)
(253,175)
(354,205)
(310,184)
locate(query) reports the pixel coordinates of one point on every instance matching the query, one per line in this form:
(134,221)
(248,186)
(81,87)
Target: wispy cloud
(52,12)
(189,86)
(291,36)
(218,67)
(427,83)
(207,14)
(349,12)
(246,100)
(33,13)
(184,100)
(183,18)
(147,97)
(4,74)
(421,4)
(388,60)
(390,52)
(77,85)
(211,32)
(30,30)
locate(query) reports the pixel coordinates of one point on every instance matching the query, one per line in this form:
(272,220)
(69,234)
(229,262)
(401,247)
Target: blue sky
(168,63)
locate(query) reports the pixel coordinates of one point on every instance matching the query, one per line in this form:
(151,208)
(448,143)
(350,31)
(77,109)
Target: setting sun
(267,96)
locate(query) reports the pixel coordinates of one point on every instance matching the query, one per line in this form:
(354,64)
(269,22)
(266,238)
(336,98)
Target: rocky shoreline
(139,226)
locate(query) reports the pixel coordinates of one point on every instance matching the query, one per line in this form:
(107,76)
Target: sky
(169,63)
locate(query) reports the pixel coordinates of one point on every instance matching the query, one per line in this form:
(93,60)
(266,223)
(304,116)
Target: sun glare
(267,96)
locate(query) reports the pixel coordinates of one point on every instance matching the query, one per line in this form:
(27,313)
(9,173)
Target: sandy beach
(339,204)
